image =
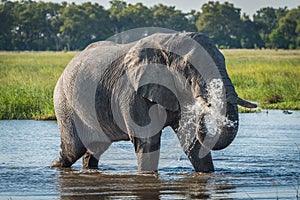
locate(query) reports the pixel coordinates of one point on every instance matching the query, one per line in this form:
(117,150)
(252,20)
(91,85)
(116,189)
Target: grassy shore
(27,80)
(269,77)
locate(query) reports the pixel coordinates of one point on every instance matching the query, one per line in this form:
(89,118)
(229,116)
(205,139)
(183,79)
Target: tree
(287,34)
(125,17)
(169,17)
(25,26)
(38,25)
(250,37)
(277,40)
(267,20)
(52,36)
(222,22)
(99,25)
(83,24)
(115,10)
(192,17)
(6,24)
(32,29)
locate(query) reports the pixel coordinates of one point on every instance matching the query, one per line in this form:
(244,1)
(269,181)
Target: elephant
(113,92)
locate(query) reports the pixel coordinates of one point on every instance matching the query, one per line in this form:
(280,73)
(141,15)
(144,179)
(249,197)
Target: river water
(262,163)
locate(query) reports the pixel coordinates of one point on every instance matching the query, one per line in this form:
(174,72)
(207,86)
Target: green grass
(269,77)
(27,80)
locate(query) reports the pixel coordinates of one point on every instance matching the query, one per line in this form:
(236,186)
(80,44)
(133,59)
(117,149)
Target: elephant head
(226,124)
(179,70)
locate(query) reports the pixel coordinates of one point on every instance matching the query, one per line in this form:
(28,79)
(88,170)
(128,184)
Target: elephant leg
(200,158)
(71,148)
(90,160)
(147,152)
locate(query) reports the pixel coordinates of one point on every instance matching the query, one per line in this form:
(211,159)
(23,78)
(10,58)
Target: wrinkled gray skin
(90,148)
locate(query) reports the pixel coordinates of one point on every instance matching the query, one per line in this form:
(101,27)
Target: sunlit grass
(27,80)
(269,77)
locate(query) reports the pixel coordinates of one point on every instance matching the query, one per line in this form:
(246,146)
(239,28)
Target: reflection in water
(97,185)
(261,163)
(76,185)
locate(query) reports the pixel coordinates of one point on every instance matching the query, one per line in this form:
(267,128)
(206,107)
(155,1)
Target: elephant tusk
(245,103)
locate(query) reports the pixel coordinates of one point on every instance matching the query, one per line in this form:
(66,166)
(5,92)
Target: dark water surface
(262,163)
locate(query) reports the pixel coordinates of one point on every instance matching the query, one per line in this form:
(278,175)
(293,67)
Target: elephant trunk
(245,103)
(225,127)
(228,129)
(217,134)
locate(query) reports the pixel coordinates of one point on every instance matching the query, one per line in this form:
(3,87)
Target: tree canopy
(223,23)
(32,25)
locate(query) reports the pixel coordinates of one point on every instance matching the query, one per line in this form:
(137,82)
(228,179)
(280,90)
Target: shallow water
(262,163)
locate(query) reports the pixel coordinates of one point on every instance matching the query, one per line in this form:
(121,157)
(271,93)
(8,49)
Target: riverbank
(27,80)
(27,83)
(269,77)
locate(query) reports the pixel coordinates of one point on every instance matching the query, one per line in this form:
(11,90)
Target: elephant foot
(55,164)
(148,162)
(89,161)
(61,162)
(200,158)
(205,165)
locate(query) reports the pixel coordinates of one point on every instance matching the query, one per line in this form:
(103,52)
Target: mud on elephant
(112,92)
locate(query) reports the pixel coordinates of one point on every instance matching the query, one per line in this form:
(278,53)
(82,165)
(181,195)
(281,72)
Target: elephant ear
(160,95)
(149,75)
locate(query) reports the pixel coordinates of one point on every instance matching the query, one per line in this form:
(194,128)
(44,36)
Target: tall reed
(269,77)
(27,83)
